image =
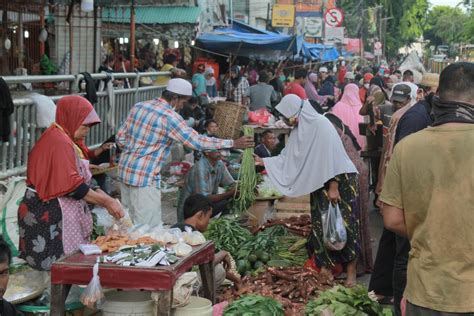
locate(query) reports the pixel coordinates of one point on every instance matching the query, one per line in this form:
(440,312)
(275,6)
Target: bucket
(72,309)
(134,303)
(197,306)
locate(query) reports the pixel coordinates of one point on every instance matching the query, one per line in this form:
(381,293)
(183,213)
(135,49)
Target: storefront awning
(260,45)
(152,15)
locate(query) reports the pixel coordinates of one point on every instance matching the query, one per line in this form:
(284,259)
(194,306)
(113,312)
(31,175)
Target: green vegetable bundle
(254,305)
(346,301)
(227,235)
(263,241)
(247,179)
(291,248)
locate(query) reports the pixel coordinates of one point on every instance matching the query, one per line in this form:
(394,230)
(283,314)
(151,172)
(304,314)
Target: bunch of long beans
(247,179)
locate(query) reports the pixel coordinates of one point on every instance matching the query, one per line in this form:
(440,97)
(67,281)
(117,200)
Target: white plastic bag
(93,294)
(182,249)
(193,238)
(9,202)
(334,230)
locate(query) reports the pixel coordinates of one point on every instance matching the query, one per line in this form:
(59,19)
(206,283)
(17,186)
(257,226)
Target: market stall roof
(319,52)
(152,15)
(240,40)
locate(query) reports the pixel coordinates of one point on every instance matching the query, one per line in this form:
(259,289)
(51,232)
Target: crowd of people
(351,134)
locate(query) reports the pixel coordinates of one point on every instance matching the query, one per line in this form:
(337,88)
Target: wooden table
(77,269)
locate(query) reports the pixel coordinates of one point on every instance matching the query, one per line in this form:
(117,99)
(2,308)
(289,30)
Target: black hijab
(379,82)
(337,122)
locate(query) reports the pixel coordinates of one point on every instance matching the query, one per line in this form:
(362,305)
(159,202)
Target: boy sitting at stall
(197,214)
(6,308)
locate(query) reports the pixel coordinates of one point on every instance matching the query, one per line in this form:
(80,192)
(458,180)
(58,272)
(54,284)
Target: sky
(451,3)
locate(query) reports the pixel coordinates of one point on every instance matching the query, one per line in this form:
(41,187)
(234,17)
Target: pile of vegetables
(257,251)
(227,235)
(290,251)
(254,305)
(247,179)
(299,225)
(292,287)
(346,301)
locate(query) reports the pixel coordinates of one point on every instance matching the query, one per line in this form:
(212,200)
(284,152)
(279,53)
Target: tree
(447,25)
(408,18)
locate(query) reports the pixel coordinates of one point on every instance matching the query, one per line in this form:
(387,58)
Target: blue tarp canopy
(243,40)
(319,52)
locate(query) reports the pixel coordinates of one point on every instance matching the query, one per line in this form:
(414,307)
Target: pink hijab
(347,109)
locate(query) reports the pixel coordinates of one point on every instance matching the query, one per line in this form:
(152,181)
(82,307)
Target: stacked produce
(346,301)
(290,251)
(292,287)
(227,235)
(250,304)
(299,225)
(257,251)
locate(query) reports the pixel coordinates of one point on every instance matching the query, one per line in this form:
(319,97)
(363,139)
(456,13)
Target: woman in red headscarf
(54,218)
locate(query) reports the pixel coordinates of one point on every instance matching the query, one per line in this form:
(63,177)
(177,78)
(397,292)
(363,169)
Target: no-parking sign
(334,17)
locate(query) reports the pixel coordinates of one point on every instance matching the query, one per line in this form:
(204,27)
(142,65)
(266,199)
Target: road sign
(283,15)
(334,17)
(313,27)
(334,35)
(378,45)
(378,52)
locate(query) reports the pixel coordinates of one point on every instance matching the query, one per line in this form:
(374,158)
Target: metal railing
(112,107)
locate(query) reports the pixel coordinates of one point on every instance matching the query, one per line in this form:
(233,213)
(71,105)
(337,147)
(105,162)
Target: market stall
(77,269)
(248,42)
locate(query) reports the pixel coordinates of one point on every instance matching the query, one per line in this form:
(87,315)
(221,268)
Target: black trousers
(400,263)
(389,277)
(381,279)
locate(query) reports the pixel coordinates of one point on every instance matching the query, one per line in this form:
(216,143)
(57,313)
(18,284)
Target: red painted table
(77,269)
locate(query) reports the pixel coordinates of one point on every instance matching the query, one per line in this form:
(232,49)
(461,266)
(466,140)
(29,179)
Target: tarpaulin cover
(239,40)
(319,52)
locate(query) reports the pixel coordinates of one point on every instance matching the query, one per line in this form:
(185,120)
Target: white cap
(180,86)
(349,75)
(323,69)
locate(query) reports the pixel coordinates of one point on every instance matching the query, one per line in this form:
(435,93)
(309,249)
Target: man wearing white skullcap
(146,138)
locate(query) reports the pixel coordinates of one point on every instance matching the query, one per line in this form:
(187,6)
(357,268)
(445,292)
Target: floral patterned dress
(51,229)
(348,189)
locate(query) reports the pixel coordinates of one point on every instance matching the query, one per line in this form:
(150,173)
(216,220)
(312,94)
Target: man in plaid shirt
(146,138)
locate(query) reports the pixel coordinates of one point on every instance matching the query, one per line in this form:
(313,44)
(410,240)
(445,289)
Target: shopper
(418,192)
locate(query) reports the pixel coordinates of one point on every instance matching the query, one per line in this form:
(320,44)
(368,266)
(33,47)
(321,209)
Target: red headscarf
(52,164)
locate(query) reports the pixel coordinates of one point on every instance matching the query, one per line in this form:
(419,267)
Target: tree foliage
(406,20)
(448,25)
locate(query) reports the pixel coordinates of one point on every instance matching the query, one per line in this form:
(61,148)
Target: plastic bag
(93,294)
(334,230)
(182,249)
(193,238)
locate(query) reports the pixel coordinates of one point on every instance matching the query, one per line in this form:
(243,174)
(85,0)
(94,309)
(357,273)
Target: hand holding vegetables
(244,142)
(247,180)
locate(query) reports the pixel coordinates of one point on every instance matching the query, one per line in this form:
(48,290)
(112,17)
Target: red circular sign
(334,17)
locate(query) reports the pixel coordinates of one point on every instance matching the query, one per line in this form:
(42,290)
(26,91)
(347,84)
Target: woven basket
(229,116)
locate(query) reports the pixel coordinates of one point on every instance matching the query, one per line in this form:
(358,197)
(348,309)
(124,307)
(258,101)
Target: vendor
(205,177)
(315,162)
(268,144)
(199,81)
(54,217)
(197,213)
(146,138)
(6,308)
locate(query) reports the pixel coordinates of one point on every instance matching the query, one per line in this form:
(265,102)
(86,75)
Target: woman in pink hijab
(347,109)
